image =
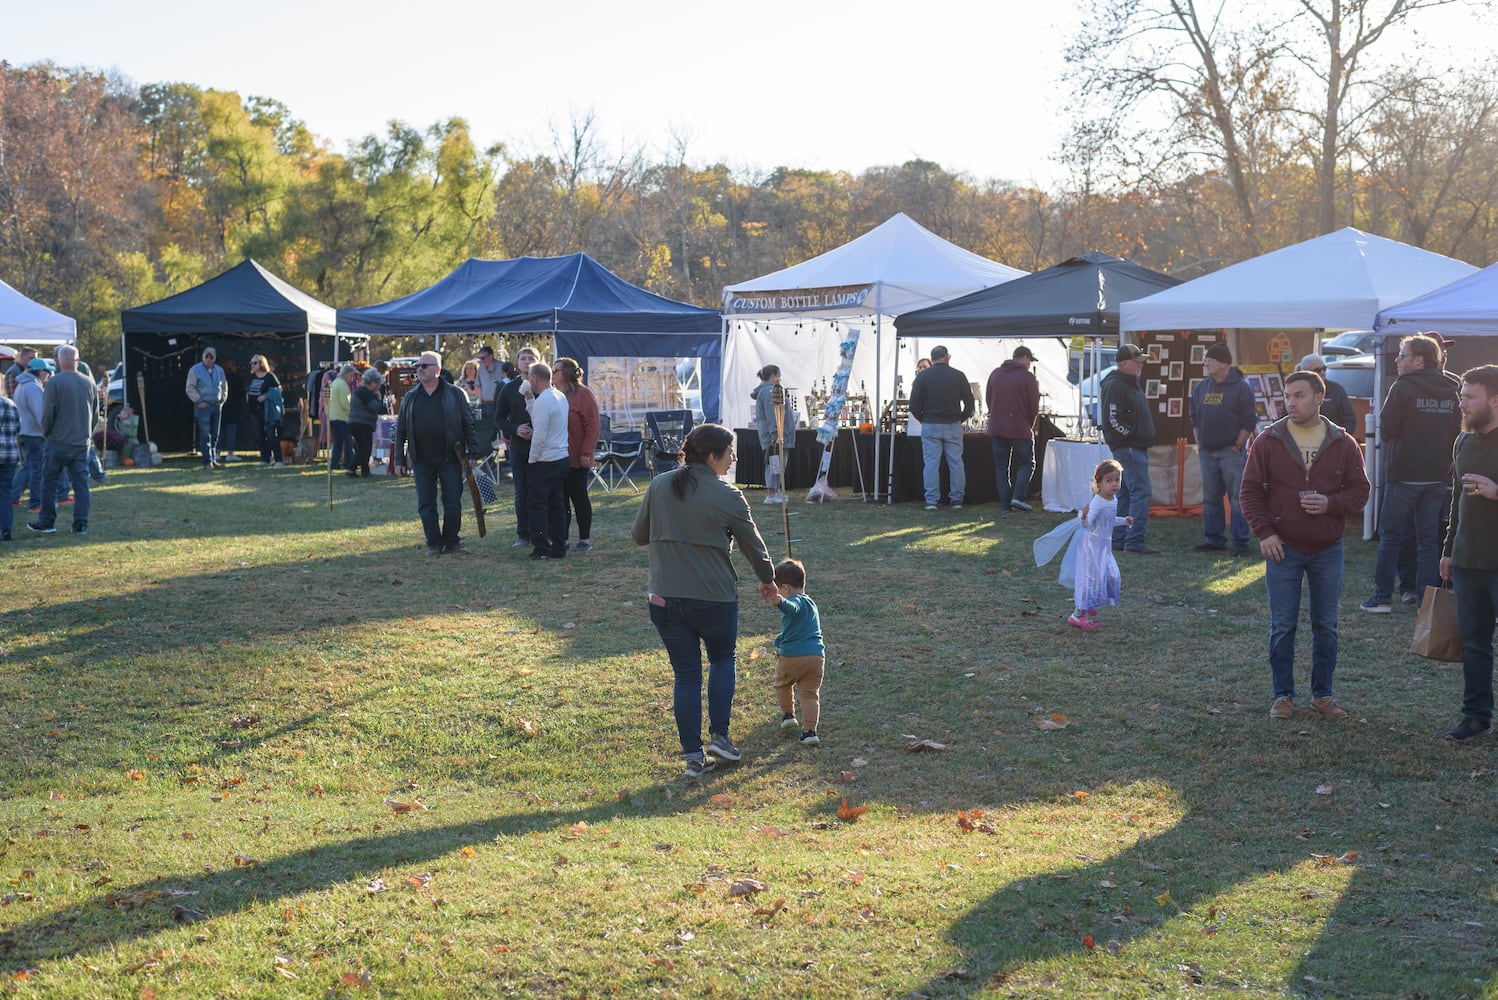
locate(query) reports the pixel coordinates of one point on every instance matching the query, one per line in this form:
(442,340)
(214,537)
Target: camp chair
(668,433)
(616,453)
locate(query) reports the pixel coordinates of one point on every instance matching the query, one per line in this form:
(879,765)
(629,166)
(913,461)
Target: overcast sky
(972,86)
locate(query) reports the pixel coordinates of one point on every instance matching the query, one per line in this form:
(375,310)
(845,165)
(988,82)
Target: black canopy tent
(247,310)
(1077,297)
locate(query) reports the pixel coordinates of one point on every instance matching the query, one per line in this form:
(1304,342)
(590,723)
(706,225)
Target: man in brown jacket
(1304,477)
(1013,398)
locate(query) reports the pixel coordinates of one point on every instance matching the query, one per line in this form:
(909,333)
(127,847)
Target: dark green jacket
(1472,537)
(691,539)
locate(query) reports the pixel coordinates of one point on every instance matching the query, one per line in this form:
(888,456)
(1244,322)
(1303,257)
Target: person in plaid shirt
(10,457)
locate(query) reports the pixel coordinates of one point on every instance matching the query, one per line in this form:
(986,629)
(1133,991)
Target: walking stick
(777,397)
(473,490)
(140,390)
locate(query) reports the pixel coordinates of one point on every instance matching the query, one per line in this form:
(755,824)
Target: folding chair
(601,452)
(668,434)
(619,455)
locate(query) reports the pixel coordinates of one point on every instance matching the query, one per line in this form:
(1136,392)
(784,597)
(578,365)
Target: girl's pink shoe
(1081,621)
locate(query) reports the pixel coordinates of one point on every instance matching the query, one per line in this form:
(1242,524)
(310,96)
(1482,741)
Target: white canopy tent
(1339,281)
(1467,307)
(794,317)
(24,321)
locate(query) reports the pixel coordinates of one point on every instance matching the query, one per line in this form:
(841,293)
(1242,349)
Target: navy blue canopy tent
(589,310)
(244,311)
(1077,297)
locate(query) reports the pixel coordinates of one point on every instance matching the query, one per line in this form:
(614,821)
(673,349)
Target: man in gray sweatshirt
(70,408)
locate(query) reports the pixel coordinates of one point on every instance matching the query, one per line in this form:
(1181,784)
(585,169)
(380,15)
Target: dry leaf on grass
(526,726)
(721,801)
(355,979)
(244,721)
(1088,942)
(848,812)
(1332,860)
(970,822)
(846,777)
(771,910)
(1051,723)
(746,887)
(374,885)
(187,915)
(926,746)
(1323,789)
(400,808)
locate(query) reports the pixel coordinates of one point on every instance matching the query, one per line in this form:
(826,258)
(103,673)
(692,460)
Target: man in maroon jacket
(1304,477)
(1013,398)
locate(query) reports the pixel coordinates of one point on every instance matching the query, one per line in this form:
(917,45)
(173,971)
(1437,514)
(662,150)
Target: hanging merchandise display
(832,411)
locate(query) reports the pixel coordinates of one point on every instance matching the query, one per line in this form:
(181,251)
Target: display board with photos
(1268,384)
(1170,373)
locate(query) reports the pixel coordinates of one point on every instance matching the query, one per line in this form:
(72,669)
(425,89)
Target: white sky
(972,85)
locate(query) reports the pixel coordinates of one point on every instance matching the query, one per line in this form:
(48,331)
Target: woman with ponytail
(691,518)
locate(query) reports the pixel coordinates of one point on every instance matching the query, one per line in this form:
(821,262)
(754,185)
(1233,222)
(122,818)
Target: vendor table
(806,457)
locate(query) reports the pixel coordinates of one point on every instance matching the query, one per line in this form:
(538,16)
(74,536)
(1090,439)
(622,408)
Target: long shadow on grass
(120,914)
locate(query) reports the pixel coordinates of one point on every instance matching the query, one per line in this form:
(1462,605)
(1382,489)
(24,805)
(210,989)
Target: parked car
(115,394)
(1350,342)
(1080,368)
(1355,374)
(1090,389)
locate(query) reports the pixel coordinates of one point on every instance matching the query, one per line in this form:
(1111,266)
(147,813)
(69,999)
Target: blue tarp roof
(531,295)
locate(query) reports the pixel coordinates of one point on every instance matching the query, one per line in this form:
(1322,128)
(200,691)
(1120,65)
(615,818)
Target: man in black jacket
(1336,407)
(941,398)
(1129,430)
(511,415)
(434,425)
(1418,422)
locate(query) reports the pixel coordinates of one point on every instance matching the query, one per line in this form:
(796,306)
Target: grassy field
(252,746)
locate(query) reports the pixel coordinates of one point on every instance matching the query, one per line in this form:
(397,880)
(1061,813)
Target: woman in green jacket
(691,518)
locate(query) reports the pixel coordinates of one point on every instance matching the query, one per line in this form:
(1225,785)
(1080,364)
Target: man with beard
(1470,555)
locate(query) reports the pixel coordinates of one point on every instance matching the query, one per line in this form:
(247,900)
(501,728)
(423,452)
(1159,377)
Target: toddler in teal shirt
(802,659)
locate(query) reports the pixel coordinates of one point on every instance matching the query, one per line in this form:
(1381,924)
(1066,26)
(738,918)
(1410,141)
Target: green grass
(220,690)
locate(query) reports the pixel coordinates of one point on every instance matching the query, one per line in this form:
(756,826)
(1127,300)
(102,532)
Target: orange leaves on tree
(847,812)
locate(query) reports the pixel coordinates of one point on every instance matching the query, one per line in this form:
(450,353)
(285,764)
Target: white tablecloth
(1066,479)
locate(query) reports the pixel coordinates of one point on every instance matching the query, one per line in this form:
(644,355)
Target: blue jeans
(28,478)
(938,441)
(1222,472)
(545,483)
(685,626)
(228,434)
(75,460)
(1323,575)
(1476,606)
(1133,495)
(1004,451)
(428,477)
(341,443)
(207,417)
(1409,511)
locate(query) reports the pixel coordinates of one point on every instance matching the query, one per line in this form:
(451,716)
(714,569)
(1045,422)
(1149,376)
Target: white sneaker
(774,498)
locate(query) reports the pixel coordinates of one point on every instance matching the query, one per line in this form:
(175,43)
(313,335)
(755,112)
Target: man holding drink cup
(1303,478)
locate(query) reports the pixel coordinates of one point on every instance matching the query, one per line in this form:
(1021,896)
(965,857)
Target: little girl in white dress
(1096,570)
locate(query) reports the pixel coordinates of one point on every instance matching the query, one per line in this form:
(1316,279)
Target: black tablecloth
(806,458)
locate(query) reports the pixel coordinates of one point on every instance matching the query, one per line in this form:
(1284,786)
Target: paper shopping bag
(1437,635)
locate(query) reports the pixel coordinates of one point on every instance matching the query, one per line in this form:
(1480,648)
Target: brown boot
(1283,708)
(1328,708)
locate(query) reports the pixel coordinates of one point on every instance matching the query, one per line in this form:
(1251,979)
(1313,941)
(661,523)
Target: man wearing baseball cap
(208,388)
(1222,414)
(1337,407)
(1129,430)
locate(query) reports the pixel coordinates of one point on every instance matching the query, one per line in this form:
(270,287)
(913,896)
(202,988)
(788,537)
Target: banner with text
(792,300)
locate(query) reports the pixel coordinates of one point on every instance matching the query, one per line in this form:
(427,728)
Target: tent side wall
(583,347)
